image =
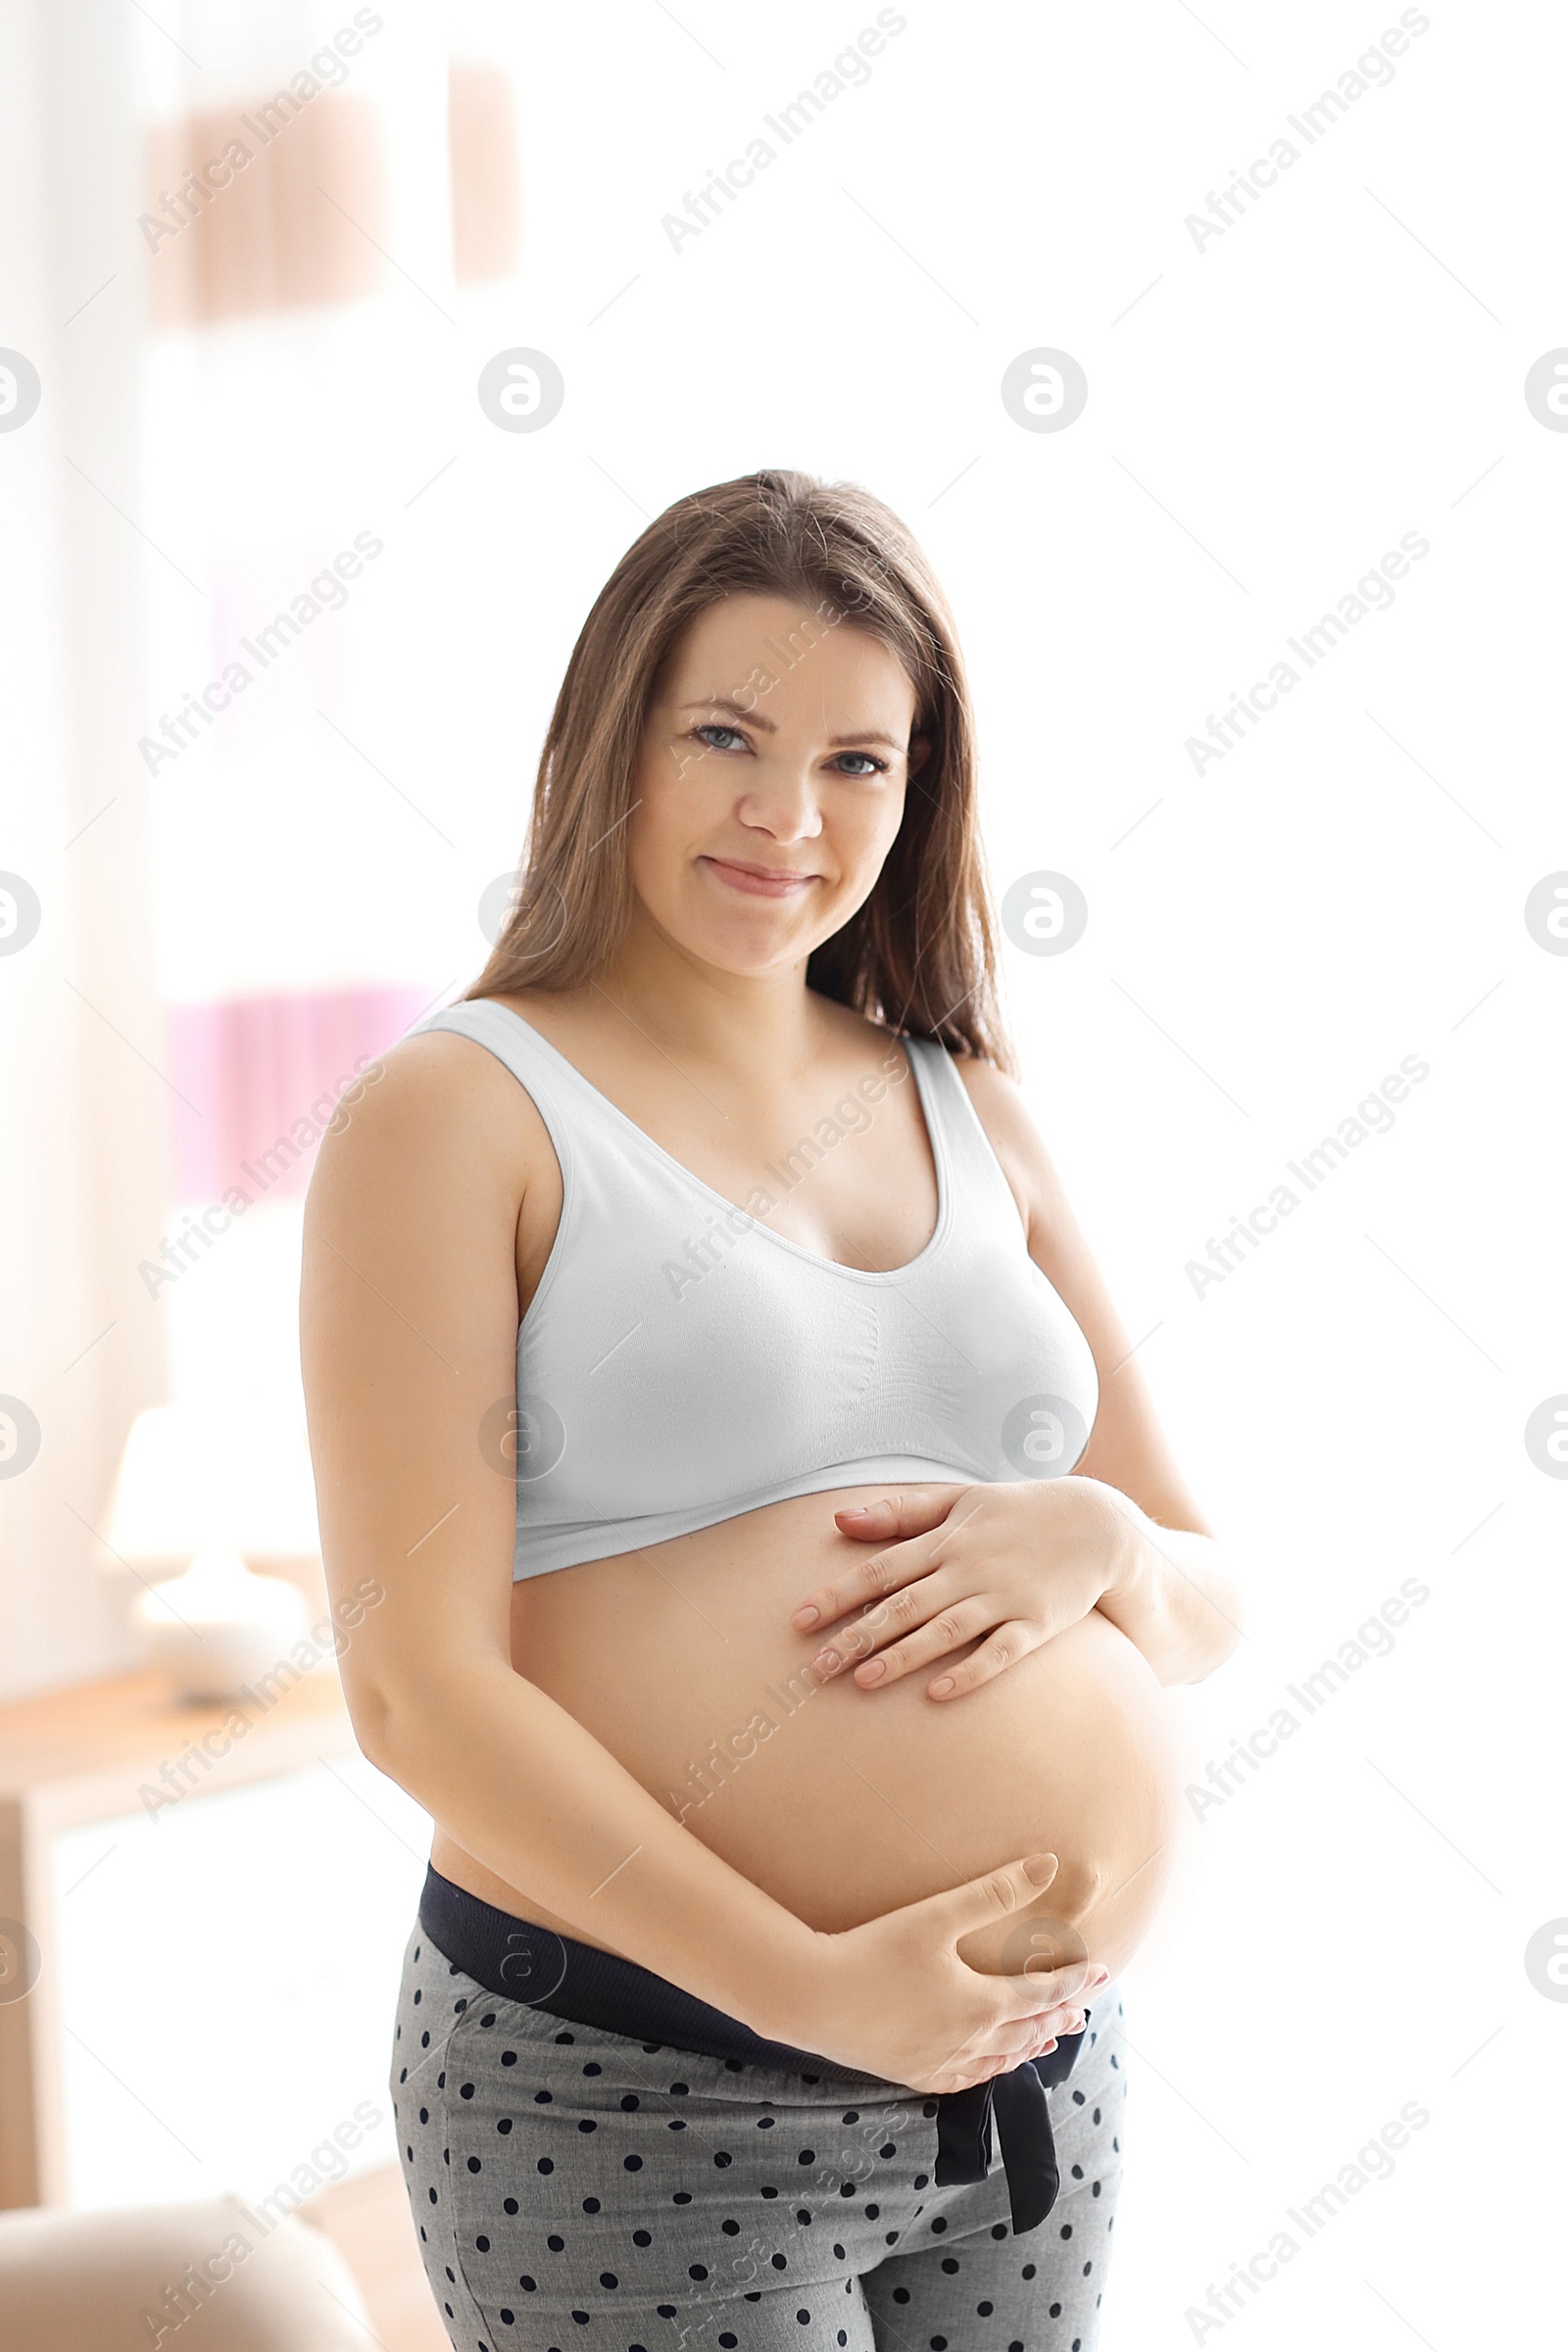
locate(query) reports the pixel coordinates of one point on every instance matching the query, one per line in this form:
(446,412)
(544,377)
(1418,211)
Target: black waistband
(519,1961)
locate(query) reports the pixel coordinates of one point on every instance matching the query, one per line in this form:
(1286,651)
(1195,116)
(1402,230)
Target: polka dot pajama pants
(574,2188)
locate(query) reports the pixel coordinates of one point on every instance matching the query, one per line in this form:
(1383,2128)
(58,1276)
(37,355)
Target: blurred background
(342,352)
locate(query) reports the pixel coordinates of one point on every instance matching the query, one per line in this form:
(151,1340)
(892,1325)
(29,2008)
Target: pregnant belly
(844,1803)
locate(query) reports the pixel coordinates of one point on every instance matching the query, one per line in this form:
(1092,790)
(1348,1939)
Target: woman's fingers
(863,1584)
(1003,2046)
(1021,2014)
(915,1600)
(1006,1646)
(896,1515)
(947,1631)
(995,1894)
(1054,1989)
(976,2068)
(1016,2037)
(940,1630)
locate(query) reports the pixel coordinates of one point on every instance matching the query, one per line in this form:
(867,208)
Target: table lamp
(198,1490)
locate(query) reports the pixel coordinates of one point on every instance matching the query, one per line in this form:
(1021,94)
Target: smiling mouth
(757,881)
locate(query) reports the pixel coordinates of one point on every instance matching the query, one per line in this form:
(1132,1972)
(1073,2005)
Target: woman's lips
(760,882)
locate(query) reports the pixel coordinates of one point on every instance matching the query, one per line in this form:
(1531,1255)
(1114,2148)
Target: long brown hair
(920,954)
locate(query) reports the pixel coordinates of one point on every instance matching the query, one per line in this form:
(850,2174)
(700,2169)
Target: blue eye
(711,732)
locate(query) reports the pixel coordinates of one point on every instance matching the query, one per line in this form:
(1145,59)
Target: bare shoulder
(432,1105)
(999,1098)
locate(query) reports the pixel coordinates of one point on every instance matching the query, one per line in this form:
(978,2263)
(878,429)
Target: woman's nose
(783,804)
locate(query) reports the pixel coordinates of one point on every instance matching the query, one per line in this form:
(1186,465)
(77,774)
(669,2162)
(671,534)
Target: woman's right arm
(409,1326)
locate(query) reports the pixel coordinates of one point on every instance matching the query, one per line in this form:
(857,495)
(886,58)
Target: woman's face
(770,782)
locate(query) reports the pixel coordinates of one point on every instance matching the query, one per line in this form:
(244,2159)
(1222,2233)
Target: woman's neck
(740,1022)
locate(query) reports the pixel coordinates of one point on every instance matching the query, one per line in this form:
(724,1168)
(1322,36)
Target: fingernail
(826,1661)
(872,1671)
(856,1511)
(942,1685)
(1039,1868)
(806,1616)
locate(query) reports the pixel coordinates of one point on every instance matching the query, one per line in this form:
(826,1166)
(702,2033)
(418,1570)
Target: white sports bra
(680,1363)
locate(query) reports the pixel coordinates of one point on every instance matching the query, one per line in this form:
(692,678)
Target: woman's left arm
(1172,1592)
(1122,1534)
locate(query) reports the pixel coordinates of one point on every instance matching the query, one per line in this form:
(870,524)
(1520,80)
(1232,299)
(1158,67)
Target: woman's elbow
(379,1725)
(404,1714)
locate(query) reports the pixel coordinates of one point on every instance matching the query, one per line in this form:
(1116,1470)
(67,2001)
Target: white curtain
(83,1096)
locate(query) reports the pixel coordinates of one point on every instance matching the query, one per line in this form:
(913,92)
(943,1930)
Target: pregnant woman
(781,1560)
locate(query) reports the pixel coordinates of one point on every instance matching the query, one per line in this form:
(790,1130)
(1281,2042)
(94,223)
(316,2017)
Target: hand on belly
(845,1804)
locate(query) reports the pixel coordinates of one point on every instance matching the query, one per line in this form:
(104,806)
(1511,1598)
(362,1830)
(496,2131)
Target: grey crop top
(681,1363)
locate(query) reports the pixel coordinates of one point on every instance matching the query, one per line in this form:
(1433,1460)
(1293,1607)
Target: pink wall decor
(261,1077)
(482,130)
(271,207)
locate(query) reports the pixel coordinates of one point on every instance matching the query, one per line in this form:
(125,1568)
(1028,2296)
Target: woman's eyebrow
(767,726)
(721,702)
